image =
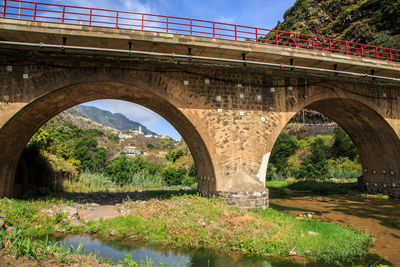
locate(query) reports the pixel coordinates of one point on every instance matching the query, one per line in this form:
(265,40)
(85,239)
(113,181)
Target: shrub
(189,181)
(343,168)
(173,176)
(174,155)
(315,165)
(120,170)
(285,146)
(141,163)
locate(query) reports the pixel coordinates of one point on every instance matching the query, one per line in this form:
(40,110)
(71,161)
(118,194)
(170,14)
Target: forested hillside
(375,22)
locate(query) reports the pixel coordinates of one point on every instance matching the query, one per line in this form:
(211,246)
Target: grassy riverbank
(190,221)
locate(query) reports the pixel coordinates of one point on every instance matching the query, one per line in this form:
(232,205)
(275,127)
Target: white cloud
(229,20)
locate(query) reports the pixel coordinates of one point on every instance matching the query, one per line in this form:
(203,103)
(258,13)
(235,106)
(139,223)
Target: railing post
(376,52)
(235,32)
(276,38)
(347,47)
(256,35)
(167,23)
(313,43)
(4,8)
(90,17)
(213,29)
(142,22)
(116,20)
(330,45)
(390,54)
(295,40)
(34,11)
(362,50)
(63,12)
(191,27)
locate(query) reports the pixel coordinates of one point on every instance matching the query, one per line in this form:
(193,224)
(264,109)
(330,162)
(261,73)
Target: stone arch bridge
(229,100)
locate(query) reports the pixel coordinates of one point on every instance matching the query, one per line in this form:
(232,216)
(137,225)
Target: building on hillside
(124,136)
(149,136)
(131,151)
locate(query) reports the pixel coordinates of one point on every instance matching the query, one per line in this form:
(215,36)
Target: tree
(315,165)
(285,146)
(120,170)
(343,145)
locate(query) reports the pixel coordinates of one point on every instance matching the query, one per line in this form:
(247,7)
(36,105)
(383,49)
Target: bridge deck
(105,37)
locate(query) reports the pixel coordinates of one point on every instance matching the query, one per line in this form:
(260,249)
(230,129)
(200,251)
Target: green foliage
(140,163)
(146,179)
(273,174)
(284,147)
(120,170)
(315,165)
(298,7)
(95,179)
(192,172)
(86,150)
(189,181)
(173,176)
(209,223)
(383,16)
(318,157)
(18,243)
(343,168)
(343,145)
(322,187)
(174,155)
(128,261)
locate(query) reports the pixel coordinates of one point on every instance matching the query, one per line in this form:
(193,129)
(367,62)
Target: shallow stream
(116,251)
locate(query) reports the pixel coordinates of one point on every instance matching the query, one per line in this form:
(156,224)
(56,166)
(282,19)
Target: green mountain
(114,120)
(375,22)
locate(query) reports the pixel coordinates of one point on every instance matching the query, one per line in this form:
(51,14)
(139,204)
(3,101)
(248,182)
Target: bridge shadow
(112,198)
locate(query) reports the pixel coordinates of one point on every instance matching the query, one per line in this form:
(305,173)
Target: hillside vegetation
(375,22)
(91,158)
(314,157)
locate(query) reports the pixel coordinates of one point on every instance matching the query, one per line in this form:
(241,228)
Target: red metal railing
(41,11)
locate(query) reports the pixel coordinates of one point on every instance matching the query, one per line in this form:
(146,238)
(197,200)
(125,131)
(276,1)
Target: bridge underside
(230,116)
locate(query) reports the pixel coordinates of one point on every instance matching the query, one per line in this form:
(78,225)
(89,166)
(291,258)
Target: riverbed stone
(102,212)
(71,212)
(75,222)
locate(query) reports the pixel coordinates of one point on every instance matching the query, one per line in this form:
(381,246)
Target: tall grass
(18,243)
(95,180)
(195,222)
(144,179)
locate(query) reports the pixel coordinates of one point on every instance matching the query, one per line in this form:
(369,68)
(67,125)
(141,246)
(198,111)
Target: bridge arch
(369,128)
(19,129)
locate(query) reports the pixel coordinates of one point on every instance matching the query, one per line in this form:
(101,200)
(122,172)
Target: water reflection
(116,251)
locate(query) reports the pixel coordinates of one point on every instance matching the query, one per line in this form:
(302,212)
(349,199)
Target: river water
(116,251)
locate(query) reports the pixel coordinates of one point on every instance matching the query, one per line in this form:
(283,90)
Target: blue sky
(259,13)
